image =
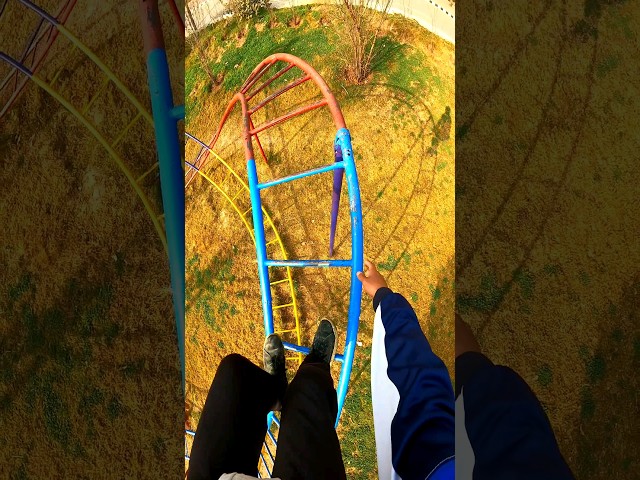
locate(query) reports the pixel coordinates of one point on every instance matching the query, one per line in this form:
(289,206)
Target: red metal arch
(246,94)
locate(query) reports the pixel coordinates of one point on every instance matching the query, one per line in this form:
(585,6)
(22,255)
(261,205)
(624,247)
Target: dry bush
(247,8)
(359,25)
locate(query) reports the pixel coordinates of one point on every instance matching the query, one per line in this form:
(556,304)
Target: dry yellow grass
(548,275)
(90,385)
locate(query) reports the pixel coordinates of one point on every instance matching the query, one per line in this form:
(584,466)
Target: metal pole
(169,158)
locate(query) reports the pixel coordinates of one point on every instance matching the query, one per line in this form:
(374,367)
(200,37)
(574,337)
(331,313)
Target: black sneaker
(324,342)
(273,357)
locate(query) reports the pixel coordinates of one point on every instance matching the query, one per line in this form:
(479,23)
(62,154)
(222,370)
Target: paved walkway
(436,16)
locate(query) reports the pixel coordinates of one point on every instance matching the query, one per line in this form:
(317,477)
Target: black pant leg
(234,420)
(308,446)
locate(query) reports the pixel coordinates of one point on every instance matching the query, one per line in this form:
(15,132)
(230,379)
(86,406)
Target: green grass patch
(115,408)
(436,293)
(389,265)
(132,368)
(488,299)
(596,368)
(403,66)
(545,375)
(433,332)
(56,416)
(636,350)
(358,444)
(607,65)
(392,262)
(236,64)
(617,335)
(194,74)
(527,283)
(587,403)
(207,290)
(584,277)
(23,285)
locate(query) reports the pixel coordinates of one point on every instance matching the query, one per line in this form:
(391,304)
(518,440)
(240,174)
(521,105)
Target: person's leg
(233,422)
(308,446)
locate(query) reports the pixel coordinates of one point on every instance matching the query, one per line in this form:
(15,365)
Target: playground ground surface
(548,276)
(89,355)
(407,188)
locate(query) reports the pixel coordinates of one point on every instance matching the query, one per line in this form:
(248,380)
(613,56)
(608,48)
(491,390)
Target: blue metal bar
(343,140)
(177,112)
(261,247)
(308,263)
(338,175)
(305,350)
(297,176)
(171,180)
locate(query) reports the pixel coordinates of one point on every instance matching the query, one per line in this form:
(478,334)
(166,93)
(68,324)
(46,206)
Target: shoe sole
(264,347)
(335,336)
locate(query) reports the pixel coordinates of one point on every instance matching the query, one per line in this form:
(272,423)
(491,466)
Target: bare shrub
(359,24)
(247,8)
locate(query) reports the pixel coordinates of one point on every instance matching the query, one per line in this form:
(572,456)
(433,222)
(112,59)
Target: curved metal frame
(242,213)
(36,50)
(344,163)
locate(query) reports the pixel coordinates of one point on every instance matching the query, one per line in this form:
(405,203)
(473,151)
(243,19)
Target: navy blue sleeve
(508,430)
(423,428)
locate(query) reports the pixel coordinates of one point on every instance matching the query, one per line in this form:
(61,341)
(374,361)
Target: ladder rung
(86,108)
(274,95)
(305,350)
(307,173)
(278,332)
(276,307)
(238,194)
(288,116)
(141,177)
(249,96)
(291,358)
(271,242)
(308,263)
(247,211)
(125,130)
(277,282)
(161,216)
